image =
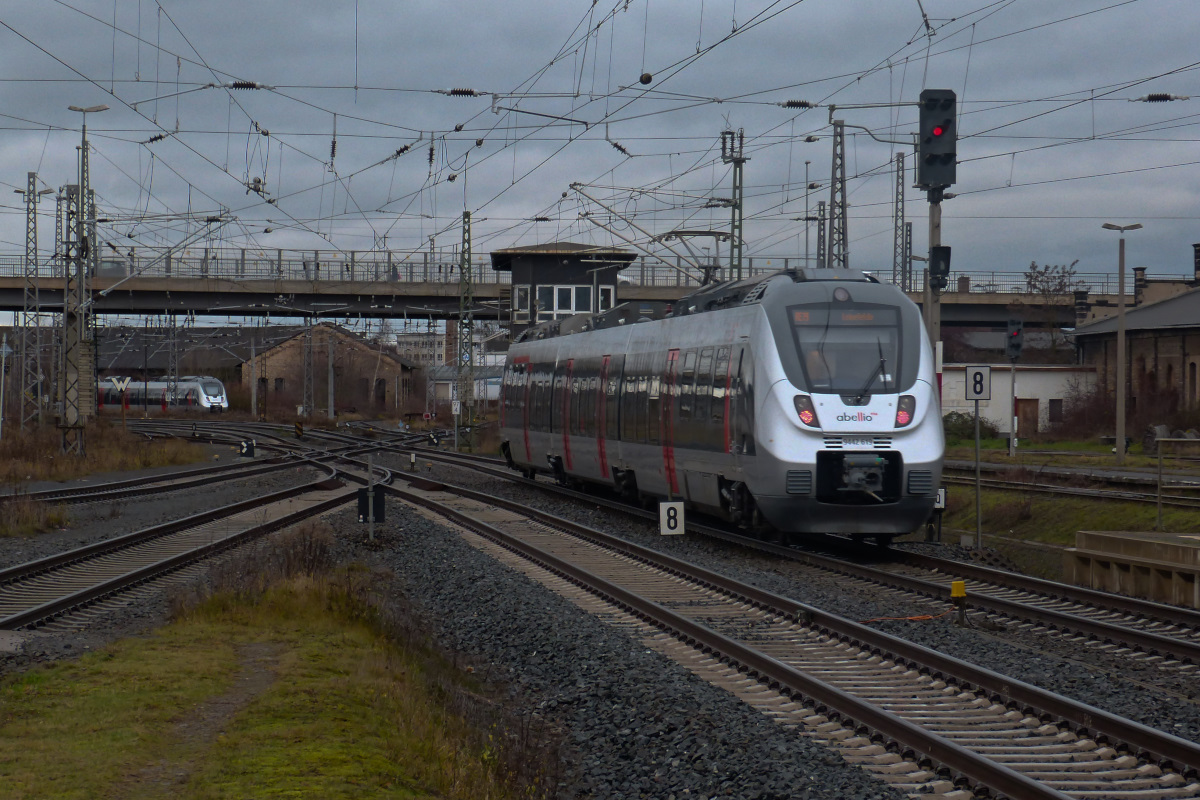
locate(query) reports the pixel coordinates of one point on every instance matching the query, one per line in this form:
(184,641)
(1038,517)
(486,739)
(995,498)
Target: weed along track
(918,719)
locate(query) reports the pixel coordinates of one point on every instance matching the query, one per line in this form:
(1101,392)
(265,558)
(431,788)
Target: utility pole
(807,187)
(330,377)
(908,257)
(733,152)
(31,318)
(899,256)
(77,371)
(71,422)
(466,333)
(839,242)
(308,398)
(821,262)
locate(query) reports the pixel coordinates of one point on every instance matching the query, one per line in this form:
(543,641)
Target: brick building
(365,377)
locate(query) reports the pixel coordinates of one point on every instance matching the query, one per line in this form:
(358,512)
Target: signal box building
(559,279)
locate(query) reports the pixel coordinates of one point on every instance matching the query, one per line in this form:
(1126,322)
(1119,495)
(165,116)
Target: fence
(443,267)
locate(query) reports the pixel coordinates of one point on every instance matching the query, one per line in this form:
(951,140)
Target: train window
(687,385)
(611,416)
(852,349)
(629,409)
(543,416)
(704,382)
(591,405)
(576,415)
(654,411)
(643,391)
(720,384)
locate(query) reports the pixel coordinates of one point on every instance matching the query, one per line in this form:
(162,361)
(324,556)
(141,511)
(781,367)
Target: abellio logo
(857,416)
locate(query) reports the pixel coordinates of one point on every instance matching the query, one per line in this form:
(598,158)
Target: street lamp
(1120,443)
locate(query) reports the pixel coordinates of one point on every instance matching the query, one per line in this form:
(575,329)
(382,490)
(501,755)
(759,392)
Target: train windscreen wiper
(880,369)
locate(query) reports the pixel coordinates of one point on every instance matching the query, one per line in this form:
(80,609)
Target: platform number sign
(670,517)
(979,383)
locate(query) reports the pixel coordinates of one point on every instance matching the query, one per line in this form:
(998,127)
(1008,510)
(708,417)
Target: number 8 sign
(670,518)
(979,383)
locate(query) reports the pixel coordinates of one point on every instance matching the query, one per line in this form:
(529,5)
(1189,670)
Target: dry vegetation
(35,454)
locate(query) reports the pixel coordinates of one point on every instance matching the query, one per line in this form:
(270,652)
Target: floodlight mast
(1119,444)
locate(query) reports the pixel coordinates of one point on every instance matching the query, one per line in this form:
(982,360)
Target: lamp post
(1120,443)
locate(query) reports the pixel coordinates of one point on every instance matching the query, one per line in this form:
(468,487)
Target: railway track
(67,590)
(927,723)
(1120,625)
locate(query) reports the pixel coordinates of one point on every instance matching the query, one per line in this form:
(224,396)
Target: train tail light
(905,409)
(806,411)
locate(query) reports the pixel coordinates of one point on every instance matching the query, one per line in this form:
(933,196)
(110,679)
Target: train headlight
(905,409)
(806,411)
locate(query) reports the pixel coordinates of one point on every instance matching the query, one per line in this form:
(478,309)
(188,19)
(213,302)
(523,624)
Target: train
(186,393)
(799,402)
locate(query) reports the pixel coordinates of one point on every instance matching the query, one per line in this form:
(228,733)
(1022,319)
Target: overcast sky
(1051,145)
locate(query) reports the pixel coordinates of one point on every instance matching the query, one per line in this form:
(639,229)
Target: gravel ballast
(641,726)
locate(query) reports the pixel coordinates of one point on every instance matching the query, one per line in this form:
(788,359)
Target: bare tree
(1051,283)
(1052,279)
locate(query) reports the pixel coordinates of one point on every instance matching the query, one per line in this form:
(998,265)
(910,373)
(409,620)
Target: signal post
(937,146)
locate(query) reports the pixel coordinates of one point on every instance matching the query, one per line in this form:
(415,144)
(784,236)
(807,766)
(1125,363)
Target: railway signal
(939,267)
(937,150)
(1015,339)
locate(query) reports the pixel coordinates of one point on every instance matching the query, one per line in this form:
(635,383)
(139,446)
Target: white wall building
(1040,393)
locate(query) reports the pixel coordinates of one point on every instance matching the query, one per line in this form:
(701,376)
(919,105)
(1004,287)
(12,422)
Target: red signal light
(938,130)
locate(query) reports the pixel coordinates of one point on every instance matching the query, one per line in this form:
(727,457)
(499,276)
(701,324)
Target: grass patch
(34,454)
(1083,455)
(20,516)
(1054,519)
(1013,519)
(350,703)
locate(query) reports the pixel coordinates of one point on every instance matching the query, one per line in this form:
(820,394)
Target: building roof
(503,259)
(1180,311)
(125,349)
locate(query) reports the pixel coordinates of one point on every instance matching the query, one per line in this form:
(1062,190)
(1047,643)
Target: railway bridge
(336,284)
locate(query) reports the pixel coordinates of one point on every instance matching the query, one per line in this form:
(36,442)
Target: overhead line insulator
(796,104)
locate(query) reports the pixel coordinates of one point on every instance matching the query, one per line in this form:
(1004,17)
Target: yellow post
(958,593)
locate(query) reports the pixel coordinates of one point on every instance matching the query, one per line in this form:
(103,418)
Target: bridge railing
(443,267)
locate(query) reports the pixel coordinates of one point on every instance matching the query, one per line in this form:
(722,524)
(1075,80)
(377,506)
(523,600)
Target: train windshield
(212,388)
(848,349)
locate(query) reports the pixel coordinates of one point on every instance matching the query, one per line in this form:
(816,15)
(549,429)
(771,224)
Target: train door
(669,392)
(566,413)
(602,396)
(740,439)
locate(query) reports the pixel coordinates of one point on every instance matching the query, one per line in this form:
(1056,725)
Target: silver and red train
(803,401)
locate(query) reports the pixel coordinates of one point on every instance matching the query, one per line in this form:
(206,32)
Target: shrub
(959,425)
